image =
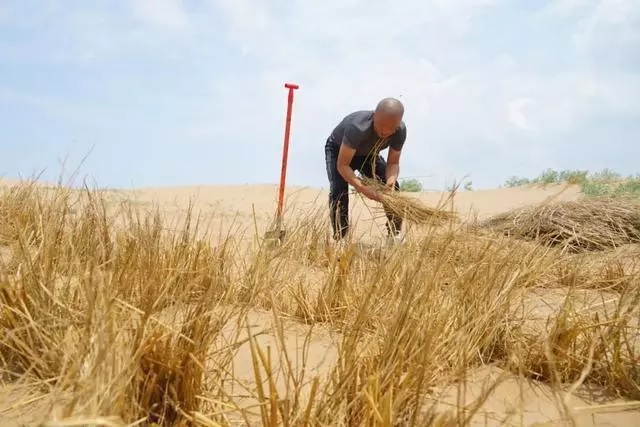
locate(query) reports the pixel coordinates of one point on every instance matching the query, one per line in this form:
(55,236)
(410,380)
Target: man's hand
(393,167)
(369,193)
(391,182)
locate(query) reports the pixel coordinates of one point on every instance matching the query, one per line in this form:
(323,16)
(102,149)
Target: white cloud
(564,8)
(476,76)
(59,109)
(168,14)
(609,22)
(347,55)
(516,114)
(246,19)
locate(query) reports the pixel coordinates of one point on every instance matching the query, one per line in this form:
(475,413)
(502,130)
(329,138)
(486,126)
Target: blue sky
(169,92)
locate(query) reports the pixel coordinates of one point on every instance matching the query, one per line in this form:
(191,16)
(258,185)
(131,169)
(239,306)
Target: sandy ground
(246,207)
(249,207)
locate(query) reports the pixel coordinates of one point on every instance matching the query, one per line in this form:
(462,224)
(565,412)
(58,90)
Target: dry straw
(109,313)
(410,208)
(589,224)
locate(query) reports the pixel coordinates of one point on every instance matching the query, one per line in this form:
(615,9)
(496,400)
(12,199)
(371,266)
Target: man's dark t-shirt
(356,131)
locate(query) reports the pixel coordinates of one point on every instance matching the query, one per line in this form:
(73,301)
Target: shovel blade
(275,236)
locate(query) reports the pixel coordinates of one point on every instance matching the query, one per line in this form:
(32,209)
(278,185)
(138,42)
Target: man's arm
(393,158)
(350,140)
(393,166)
(345,155)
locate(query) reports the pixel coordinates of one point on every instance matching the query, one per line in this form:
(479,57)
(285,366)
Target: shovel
(277,233)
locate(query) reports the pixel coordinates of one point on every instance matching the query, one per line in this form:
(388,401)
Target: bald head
(390,107)
(387,117)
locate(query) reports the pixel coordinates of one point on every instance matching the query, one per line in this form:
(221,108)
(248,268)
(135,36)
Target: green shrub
(412,185)
(598,184)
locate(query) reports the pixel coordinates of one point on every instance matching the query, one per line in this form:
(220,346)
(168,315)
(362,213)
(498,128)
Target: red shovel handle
(285,150)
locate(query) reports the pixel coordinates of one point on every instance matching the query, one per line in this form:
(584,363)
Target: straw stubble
(134,305)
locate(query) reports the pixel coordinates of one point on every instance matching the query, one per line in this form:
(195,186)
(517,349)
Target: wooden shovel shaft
(285,152)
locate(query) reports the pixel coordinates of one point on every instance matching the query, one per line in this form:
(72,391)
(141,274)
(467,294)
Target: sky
(139,93)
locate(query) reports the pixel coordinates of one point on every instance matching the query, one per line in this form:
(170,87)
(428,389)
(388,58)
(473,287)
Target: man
(355,144)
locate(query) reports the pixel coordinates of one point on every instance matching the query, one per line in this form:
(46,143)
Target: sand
(244,206)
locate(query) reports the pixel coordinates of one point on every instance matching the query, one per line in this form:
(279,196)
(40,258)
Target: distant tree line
(603,183)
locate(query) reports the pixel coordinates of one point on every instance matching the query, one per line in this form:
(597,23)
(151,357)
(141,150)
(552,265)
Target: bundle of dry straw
(574,226)
(409,208)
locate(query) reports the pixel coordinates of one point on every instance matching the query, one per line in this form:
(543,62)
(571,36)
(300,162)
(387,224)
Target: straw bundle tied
(575,226)
(409,208)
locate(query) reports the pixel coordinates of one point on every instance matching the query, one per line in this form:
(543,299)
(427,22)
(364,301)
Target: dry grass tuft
(172,370)
(113,316)
(589,224)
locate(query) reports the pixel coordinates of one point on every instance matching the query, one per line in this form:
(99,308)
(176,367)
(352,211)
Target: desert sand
(238,207)
(252,208)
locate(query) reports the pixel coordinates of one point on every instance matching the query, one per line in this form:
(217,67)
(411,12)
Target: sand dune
(245,201)
(243,205)
(244,198)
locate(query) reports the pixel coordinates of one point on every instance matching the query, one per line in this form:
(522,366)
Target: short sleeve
(398,139)
(352,136)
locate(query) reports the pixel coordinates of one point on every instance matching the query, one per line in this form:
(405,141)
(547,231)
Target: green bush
(604,183)
(412,185)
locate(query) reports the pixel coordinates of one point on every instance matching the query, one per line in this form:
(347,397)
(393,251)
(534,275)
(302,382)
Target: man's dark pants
(339,190)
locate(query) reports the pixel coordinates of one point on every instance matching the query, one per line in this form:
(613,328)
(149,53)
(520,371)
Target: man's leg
(394,223)
(338,195)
